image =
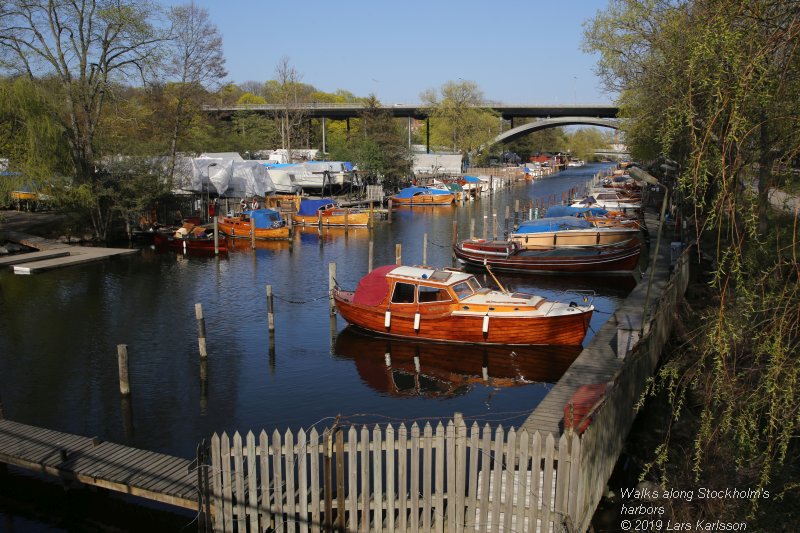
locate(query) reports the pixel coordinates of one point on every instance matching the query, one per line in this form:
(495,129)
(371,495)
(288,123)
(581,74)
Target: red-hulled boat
(197,240)
(510,256)
(451,306)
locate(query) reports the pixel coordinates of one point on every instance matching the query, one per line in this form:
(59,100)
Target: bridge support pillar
(323,136)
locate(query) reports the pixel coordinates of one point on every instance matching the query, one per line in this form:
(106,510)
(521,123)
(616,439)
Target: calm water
(59,331)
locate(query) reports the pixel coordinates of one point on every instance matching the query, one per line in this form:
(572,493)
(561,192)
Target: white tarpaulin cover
(213,172)
(437,164)
(250,178)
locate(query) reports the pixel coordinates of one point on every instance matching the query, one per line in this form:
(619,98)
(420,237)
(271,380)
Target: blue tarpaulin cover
(410,192)
(471,179)
(310,207)
(265,218)
(544,225)
(569,211)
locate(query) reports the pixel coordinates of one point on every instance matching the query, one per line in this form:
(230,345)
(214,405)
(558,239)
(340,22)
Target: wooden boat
(597,216)
(612,201)
(554,232)
(413,196)
(268,225)
(451,306)
(189,238)
(510,256)
(403,367)
(325,212)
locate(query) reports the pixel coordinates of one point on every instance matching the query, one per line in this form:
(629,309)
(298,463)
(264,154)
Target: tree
(196,64)
(80,47)
(459,117)
(714,85)
(291,95)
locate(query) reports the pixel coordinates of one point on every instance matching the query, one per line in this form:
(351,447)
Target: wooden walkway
(598,362)
(53,254)
(142,473)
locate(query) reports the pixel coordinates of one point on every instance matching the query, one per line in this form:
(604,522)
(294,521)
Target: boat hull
(505,256)
(423,200)
(463,327)
(336,218)
(237,229)
(578,237)
(163,240)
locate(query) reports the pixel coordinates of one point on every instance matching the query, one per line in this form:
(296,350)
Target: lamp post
(640,174)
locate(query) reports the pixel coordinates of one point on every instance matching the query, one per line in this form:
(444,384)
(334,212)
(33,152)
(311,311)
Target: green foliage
(458,120)
(715,86)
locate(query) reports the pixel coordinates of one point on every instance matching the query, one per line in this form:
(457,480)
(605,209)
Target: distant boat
(451,306)
(268,225)
(510,256)
(325,212)
(611,200)
(412,196)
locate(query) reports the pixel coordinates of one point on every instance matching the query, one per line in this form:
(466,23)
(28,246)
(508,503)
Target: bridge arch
(525,129)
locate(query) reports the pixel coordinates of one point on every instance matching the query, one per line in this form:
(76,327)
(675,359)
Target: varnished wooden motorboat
(268,225)
(325,212)
(421,196)
(451,306)
(510,256)
(597,216)
(403,367)
(555,232)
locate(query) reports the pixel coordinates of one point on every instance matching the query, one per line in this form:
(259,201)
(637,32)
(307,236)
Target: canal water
(59,333)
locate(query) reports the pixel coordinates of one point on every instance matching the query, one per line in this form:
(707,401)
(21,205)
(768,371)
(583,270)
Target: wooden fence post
(122,363)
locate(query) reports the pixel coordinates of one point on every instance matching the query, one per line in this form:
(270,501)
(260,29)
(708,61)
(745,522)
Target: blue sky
(525,52)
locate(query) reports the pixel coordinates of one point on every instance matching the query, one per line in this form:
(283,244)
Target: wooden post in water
(216,235)
(346,219)
(371,249)
(472,229)
(252,233)
(389,211)
(516,212)
(507,218)
(201,330)
(122,363)
(398,254)
(270,311)
(331,286)
(485,227)
(371,221)
(494,224)
(425,249)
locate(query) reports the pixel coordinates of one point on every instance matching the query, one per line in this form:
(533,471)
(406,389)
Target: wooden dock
(53,254)
(142,473)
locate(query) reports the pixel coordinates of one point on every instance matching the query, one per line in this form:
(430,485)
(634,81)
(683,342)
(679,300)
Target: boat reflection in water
(244,245)
(408,368)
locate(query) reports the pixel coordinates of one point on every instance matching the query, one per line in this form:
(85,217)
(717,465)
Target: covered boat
(510,256)
(451,306)
(612,201)
(597,216)
(268,225)
(556,232)
(325,212)
(412,196)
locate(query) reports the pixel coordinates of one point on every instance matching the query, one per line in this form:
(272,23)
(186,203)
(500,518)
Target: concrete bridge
(550,116)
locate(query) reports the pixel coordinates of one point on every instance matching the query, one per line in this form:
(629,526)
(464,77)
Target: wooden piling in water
(507,218)
(398,254)
(485,227)
(331,286)
(425,249)
(201,330)
(122,363)
(252,234)
(216,235)
(389,211)
(346,219)
(270,310)
(494,224)
(371,221)
(371,249)
(472,228)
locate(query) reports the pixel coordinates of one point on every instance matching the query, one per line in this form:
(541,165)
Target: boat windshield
(466,288)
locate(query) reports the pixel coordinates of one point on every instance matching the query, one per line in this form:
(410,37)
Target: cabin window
(432,294)
(403,293)
(463,290)
(474,284)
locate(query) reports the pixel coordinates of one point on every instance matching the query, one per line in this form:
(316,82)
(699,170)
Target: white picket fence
(449,478)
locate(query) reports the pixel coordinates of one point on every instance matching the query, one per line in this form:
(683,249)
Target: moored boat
(451,306)
(510,256)
(412,196)
(557,232)
(268,225)
(326,213)
(189,238)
